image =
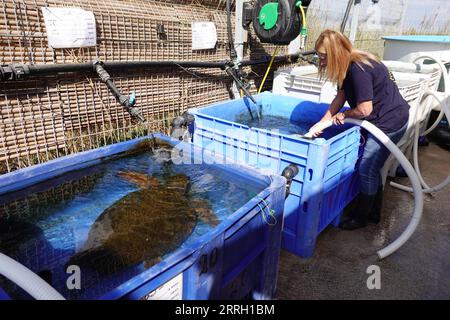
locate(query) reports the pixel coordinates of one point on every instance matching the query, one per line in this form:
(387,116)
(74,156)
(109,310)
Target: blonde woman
(368,87)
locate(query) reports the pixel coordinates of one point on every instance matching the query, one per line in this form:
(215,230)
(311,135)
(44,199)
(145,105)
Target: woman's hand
(338,118)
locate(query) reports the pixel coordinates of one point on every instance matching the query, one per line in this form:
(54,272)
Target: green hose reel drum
(278,22)
(268,16)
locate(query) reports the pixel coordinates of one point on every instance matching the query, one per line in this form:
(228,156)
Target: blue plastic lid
(420,38)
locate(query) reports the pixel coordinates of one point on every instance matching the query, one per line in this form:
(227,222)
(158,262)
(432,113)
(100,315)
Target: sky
(423,15)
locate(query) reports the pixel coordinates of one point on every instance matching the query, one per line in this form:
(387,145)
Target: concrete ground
(418,270)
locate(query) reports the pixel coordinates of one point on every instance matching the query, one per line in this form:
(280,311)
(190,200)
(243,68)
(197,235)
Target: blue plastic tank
(236,259)
(327,179)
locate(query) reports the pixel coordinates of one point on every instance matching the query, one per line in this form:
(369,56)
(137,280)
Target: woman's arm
(335,106)
(362,110)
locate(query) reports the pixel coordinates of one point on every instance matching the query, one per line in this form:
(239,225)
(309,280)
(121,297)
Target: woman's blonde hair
(340,54)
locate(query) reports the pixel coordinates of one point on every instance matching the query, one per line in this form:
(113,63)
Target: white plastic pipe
(320,127)
(437,188)
(418,195)
(444,110)
(417,187)
(427,188)
(27,279)
(416,157)
(445,75)
(446,78)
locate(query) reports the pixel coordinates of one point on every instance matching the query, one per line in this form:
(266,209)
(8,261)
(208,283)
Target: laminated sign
(69,27)
(171,290)
(204,35)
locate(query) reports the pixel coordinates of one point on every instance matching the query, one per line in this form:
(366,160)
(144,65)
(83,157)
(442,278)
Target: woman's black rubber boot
(360,216)
(375,213)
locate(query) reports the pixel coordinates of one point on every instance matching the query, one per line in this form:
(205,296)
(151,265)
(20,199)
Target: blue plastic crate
(237,259)
(327,179)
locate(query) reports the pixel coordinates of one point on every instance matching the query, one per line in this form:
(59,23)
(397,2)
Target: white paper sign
(171,290)
(204,35)
(69,27)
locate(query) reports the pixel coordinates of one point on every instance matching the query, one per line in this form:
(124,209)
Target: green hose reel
(278,22)
(268,16)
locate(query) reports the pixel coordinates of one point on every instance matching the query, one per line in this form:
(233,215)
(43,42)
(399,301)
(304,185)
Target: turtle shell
(141,227)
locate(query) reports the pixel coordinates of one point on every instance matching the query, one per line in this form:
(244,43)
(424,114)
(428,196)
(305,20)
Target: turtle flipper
(204,212)
(141,180)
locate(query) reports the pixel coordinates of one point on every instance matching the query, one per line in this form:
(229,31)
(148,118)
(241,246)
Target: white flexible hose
(446,78)
(416,157)
(443,69)
(27,279)
(444,110)
(418,195)
(437,188)
(319,127)
(417,187)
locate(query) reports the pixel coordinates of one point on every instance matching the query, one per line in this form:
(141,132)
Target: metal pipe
(346,14)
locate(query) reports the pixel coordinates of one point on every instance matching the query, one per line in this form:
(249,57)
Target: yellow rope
(268,69)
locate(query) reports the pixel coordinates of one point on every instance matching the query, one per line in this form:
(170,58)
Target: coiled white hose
(444,110)
(27,279)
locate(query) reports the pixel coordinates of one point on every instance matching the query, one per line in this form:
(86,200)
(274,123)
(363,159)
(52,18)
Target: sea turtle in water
(144,225)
